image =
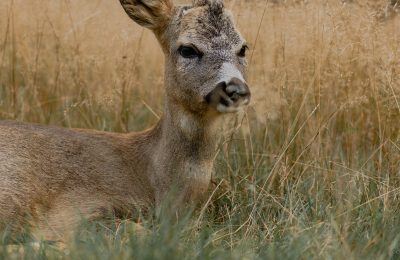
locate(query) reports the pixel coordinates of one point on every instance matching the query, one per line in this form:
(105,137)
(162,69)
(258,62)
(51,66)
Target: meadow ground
(312,170)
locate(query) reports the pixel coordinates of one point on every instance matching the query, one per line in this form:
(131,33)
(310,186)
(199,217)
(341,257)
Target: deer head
(205,55)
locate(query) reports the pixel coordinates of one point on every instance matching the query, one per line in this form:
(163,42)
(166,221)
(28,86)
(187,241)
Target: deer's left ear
(152,14)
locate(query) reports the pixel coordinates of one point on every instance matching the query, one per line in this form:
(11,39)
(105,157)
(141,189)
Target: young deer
(52,177)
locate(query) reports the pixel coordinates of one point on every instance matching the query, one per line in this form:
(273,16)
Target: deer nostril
(231,90)
(217,94)
(234,95)
(237,89)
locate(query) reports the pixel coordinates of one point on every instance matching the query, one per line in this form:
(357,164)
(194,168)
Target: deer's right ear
(152,14)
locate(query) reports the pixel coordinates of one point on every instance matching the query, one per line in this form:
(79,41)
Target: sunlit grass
(313,168)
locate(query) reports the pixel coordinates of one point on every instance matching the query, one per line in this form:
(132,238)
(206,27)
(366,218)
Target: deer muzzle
(229,97)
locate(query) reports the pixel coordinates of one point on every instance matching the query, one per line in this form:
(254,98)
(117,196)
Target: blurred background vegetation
(310,170)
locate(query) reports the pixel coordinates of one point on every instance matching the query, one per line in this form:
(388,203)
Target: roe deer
(50,177)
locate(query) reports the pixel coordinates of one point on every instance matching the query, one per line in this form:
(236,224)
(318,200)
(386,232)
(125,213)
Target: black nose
(237,89)
(229,97)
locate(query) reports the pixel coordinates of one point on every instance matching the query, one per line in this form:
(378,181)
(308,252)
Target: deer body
(52,177)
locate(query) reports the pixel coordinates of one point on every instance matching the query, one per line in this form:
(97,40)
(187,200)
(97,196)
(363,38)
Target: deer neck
(188,134)
(186,148)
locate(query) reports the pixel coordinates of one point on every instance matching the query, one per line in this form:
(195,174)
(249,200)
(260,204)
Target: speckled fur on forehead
(214,4)
(209,22)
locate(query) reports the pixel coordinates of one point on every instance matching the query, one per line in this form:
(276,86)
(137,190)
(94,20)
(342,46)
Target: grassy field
(312,170)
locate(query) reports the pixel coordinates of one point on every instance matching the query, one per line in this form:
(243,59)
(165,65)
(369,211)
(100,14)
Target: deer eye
(189,52)
(242,52)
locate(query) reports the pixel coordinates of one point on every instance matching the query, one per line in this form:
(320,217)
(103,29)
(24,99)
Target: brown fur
(51,177)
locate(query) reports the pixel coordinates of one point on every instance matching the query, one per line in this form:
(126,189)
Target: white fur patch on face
(228,71)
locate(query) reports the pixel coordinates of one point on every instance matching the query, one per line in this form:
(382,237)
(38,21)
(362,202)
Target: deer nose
(229,97)
(237,89)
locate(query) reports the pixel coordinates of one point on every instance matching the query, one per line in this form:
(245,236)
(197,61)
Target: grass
(313,168)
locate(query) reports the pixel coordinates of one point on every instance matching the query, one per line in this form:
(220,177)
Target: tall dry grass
(313,169)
